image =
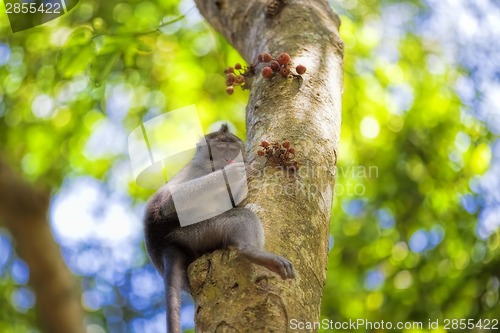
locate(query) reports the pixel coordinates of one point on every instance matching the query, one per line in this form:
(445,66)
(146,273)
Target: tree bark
(232,295)
(23,210)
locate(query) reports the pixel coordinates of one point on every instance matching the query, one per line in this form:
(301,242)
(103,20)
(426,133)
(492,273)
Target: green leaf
(102,66)
(79,37)
(75,60)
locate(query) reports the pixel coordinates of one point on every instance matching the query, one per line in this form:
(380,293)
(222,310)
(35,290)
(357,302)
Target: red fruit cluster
(282,64)
(278,154)
(233,78)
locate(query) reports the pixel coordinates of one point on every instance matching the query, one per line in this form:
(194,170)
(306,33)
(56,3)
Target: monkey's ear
(223,129)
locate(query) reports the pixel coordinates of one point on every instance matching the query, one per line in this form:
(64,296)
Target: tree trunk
(23,210)
(231,294)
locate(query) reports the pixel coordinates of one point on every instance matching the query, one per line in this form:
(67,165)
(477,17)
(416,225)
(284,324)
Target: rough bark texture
(23,210)
(231,294)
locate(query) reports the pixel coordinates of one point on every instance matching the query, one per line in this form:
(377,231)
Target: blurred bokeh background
(416,216)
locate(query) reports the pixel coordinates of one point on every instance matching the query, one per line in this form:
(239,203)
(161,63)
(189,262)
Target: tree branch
(23,210)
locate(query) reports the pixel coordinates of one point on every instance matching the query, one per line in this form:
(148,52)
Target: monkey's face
(224,153)
(223,148)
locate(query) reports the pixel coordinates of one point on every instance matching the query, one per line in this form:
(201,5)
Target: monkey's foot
(281,266)
(273,262)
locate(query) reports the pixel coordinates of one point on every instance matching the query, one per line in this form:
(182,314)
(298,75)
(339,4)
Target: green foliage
(419,173)
(74,61)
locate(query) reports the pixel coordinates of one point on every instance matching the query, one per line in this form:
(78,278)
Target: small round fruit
(230,90)
(284,58)
(239,79)
(301,69)
(230,77)
(267,57)
(285,71)
(275,65)
(261,57)
(267,72)
(286,144)
(237,66)
(265,144)
(260,153)
(292,150)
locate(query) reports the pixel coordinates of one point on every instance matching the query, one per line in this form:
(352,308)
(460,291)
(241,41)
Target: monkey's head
(223,148)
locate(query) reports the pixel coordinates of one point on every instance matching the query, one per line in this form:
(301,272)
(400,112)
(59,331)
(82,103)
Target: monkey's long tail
(175,273)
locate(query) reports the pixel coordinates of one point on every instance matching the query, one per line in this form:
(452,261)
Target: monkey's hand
(236,173)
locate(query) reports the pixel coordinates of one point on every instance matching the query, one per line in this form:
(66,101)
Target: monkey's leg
(247,235)
(175,265)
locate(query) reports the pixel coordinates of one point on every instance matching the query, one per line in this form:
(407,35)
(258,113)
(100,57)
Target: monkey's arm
(181,198)
(189,194)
